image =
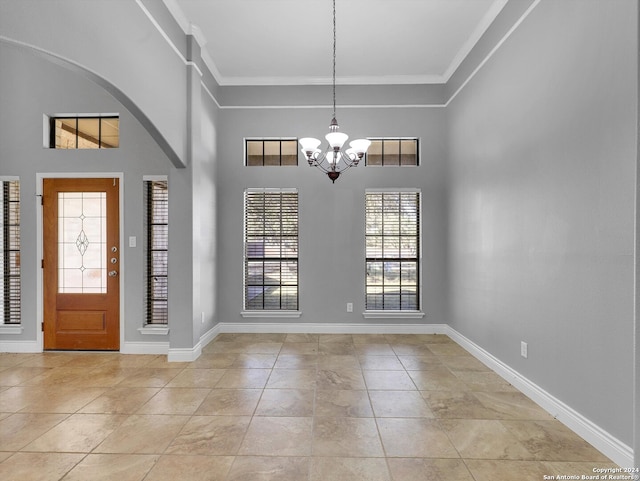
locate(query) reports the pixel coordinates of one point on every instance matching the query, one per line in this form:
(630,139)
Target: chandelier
(334,160)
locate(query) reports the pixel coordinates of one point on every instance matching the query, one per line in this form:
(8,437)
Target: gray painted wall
(543,159)
(331,215)
(30,87)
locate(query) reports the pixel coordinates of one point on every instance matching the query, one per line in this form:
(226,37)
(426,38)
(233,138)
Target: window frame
(265,313)
(51,141)
(399,313)
(246,140)
(7,239)
(148,298)
(399,164)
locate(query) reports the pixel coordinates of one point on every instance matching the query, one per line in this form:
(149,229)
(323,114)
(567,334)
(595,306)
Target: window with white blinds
(392,251)
(271,250)
(10,244)
(156,201)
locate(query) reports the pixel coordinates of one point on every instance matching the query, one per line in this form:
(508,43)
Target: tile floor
(286,407)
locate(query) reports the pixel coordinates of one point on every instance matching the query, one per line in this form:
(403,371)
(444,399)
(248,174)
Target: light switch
(132,241)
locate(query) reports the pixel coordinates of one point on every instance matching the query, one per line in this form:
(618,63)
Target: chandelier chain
(334,59)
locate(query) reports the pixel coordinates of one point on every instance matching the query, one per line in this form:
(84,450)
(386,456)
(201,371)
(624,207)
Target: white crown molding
(290,81)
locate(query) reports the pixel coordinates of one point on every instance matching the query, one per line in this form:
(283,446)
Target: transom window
(392,250)
(84,132)
(156,223)
(261,152)
(10,245)
(392,151)
(271,249)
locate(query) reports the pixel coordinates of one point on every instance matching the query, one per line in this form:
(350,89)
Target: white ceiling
(289,42)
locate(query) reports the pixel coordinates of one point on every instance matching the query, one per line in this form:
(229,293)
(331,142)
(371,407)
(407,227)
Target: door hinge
(41,263)
(42,325)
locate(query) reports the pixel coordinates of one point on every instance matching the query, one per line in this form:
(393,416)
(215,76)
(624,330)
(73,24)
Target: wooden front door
(81,264)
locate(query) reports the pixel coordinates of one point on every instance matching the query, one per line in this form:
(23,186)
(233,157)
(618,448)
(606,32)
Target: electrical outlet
(524,348)
(349,306)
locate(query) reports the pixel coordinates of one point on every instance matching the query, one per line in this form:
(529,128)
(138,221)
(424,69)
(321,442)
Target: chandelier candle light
(334,160)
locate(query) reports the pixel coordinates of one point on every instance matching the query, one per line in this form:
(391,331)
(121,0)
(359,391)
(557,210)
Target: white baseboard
(20,346)
(210,335)
(187,354)
(600,439)
(328,328)
(144,348)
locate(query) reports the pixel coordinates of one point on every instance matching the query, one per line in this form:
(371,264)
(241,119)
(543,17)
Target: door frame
(40,176)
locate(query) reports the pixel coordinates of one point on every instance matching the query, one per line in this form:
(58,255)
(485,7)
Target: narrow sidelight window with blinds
(271,249)
(392,250)
(156,201)
(10,244)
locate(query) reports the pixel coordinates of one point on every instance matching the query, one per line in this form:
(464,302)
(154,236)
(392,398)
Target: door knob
(113,273)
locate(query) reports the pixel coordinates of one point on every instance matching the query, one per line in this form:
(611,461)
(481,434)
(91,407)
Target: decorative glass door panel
(81,264)
(82,242)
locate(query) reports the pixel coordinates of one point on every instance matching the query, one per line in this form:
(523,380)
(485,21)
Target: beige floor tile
(38,466)
(120,400)
(484,439)
(56,399)
(463,363)
(388,380)
(108,467)
(254,361)
(410,349)
(338,403)
(380,363)
(210,435)
(213,361)
(143,434)
(352,437)
(339,338)
(60,376)
(342,379)
(501,470)
(296,361)
(149,377)
(423,469)
(263,348)
(79,433)
(192,468)
(292,379)
(15,376)
(5,455)
(46,359)
(378,349)
(458,405)
(269,468)
(448,349)
(18,430)
(8,359)
(244,379)
(337,348)
(230,402)
(278,436)
(134,360)
(484,381)
(440,379)
(162,362)
(349,469)
(338,361)
(177,400)
(552,441)
(299,348)
(399,404)
(417,437)
(512,405)
(286,402)
(90,360)
(369,339)
(197,378)
(420,363)
(302,338)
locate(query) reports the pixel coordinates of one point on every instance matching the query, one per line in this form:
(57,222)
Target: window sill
(272,314)
(11,329)
(154,330)
(393,314)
